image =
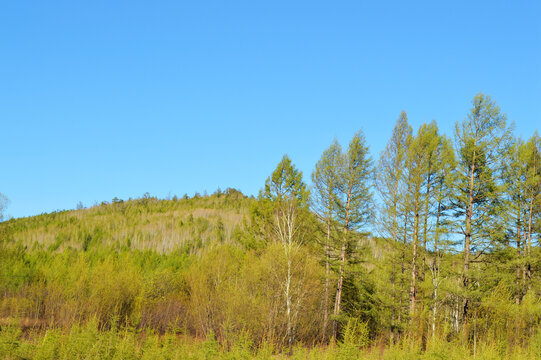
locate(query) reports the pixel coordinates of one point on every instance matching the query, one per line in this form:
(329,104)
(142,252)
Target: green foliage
(286,182)
(325,179)
(482,142)
(227,276)
(390,177)
(355,337)
(354,194)
(146,223)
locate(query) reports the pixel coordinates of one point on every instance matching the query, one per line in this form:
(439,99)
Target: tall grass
(89,342)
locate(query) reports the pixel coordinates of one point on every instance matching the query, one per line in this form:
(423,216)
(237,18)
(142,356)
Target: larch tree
(523,178)
(482,140)
(354,204)
(325,179)
(443,180)
(432,147)
(389,179)
(515,176)
(390,175)
(421,166)
(533,197)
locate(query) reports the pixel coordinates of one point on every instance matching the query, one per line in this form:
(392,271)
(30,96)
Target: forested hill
(435,251)
(145,223)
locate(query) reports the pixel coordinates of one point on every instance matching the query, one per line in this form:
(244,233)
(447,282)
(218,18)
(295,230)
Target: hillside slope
(146,223)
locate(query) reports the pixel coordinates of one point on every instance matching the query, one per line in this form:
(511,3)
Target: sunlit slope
(146,223)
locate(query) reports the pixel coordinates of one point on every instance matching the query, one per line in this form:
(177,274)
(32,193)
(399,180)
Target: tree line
(462,217)
(434,242)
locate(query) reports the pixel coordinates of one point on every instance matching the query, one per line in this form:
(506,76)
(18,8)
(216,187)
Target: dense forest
(430,250)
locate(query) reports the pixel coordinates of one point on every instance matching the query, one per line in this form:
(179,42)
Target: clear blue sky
(117,98)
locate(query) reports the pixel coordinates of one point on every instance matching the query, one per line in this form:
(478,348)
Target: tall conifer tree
(482,140)
(325,179)
(354,204)
(389,182)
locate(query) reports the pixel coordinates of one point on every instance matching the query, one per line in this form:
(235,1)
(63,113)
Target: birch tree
(288,196)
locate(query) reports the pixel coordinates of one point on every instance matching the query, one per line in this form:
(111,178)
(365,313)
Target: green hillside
(434,253)
(187,269)
(183,267)
(146,223)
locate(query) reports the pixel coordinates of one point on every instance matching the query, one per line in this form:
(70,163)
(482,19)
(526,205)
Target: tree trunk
(403,267)
(327,282)
(286,227)
(435,268)
(425,225)
(288,304)
(393,270)
(529,245)
(517,270)
(413,287)
(338,299)
(467,239)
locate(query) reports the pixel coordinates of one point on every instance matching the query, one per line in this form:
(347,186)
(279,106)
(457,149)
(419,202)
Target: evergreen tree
(389,182)
(533,198)
(523,179)
(354,204)
(482,140)
(325,179)
(420,165)
(515,176)
(443,180)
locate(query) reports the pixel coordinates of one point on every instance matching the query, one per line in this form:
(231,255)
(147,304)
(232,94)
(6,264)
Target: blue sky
(101,99)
